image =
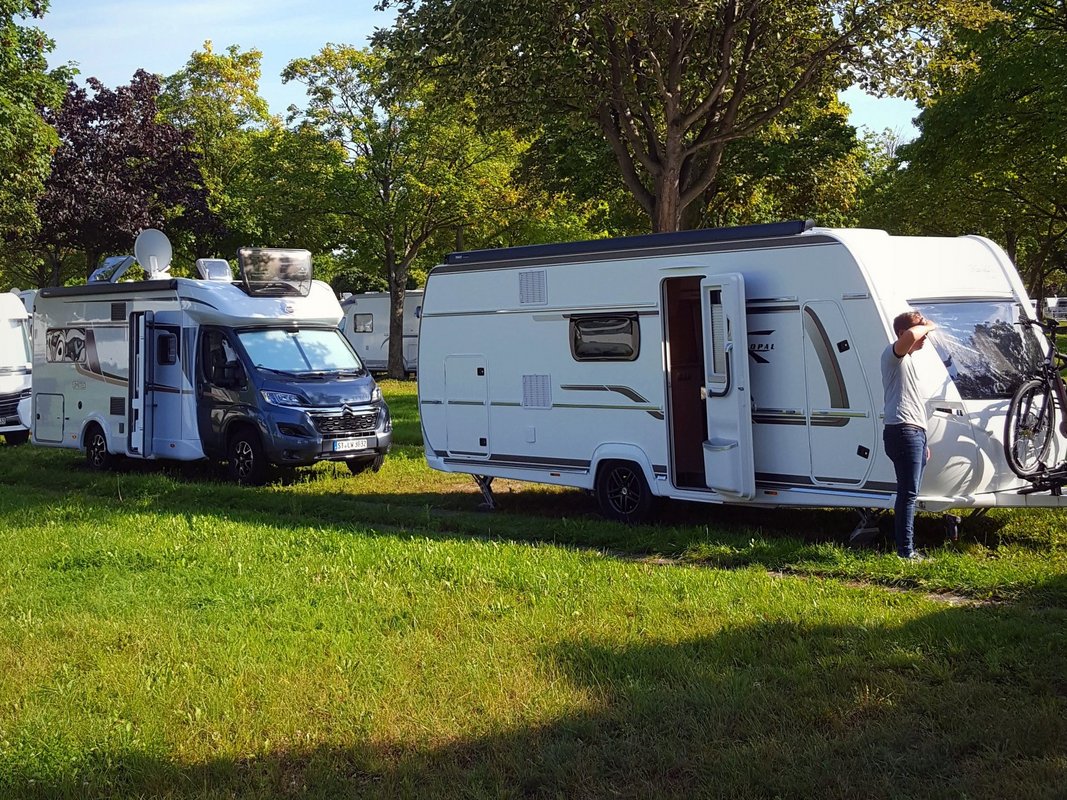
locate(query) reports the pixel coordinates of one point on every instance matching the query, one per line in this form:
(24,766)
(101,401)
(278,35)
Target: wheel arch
(97,419)
(623,451)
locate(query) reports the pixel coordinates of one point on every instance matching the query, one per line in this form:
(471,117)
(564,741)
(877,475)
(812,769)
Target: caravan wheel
(622,492)
(247,462)
(96,454)
(358,466)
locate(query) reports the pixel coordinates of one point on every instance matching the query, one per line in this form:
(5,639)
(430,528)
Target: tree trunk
(396,273)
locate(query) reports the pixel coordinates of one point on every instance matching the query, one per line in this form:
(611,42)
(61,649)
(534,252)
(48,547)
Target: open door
(728,462)
(139,421)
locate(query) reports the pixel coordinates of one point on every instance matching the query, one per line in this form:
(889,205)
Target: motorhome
(366,326)
(250,371)
(15,366)
(723,366)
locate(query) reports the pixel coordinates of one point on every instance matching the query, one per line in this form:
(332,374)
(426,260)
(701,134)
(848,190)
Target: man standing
(905,423)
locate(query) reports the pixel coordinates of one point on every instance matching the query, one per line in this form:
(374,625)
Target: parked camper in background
(723,366)
(1056,308)
(366,326)
(253,371)
(15,366)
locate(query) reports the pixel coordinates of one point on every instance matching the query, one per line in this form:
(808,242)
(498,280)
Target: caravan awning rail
(774,230)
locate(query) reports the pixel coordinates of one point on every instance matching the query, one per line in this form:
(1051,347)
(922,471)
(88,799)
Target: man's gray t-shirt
(903,400)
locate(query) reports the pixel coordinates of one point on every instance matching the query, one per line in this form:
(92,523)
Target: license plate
(350,444)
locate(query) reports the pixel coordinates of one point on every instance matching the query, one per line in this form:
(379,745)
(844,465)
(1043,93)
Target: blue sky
(111,39)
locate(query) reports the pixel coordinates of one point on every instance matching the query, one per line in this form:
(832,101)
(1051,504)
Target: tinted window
(603,338)
(987,354)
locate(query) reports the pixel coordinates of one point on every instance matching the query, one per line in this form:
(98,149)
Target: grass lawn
(166,634)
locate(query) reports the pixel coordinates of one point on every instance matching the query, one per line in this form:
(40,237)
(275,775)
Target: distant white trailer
(723,366)
(366,325)
(15,367)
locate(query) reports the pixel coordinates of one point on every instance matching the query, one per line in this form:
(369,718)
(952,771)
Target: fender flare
(100,420)
(624,451)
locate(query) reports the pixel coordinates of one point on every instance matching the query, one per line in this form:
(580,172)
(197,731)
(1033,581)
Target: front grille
(9,403)
(364,422)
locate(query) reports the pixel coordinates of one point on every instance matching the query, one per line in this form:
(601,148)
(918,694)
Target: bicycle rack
(1048,480)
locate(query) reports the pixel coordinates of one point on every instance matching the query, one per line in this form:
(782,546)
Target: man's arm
(908,339)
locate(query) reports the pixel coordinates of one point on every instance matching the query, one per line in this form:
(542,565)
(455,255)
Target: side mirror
(232,375)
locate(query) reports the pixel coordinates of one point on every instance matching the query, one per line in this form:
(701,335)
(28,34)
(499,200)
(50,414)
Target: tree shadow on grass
(957,703)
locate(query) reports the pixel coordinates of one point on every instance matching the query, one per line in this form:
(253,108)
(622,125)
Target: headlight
(376,393)
(282,398)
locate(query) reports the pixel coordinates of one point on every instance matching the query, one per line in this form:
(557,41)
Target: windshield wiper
(285,372)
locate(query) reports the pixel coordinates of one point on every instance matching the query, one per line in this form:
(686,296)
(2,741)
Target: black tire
(15,438)
(247,463)
(1029,428)
(622,492)
(97,457)
(357,466)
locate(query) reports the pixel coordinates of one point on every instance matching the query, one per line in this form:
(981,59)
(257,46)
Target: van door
(728,462)
(842,428)
(139,405)
(467,405)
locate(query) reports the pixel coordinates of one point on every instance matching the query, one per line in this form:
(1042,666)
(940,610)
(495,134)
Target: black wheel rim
(97,450)
(624,491)
(244,459)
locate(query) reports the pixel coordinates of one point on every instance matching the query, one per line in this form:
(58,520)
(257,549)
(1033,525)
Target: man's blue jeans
(906,447)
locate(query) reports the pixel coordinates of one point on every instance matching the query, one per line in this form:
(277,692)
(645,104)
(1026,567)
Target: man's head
(909,319)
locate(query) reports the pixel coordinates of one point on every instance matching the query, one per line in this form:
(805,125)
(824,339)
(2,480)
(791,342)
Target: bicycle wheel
(1029,429)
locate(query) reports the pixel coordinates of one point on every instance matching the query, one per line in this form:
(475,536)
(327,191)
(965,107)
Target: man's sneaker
(915,556)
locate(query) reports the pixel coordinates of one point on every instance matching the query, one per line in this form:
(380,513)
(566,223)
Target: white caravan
(723,366)
(366,326)
(250,371)
(15,366)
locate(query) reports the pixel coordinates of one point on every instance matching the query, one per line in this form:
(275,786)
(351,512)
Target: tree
(26,140)
(118,170)
(669,83)
(215,99)
(991,156)
(414,170)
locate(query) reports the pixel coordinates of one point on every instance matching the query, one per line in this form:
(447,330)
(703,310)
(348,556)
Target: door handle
(704,393)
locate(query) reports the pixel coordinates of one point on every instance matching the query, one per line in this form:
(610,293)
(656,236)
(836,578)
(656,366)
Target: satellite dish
(153,252)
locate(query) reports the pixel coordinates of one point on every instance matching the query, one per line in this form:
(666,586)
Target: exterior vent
(533,287)
(537,391)
(118,407)
(118,312)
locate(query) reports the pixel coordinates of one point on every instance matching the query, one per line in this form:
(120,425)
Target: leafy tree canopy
(670,83)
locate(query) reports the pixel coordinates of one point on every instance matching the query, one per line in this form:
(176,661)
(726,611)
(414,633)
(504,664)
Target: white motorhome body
(15,366)
(187,369)
(366,326)
(725,366)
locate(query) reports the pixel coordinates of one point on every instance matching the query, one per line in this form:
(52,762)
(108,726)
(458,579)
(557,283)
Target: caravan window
(17,354)
(605,338)
(987,354)
(362,323)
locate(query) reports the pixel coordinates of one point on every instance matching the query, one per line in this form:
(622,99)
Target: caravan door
(139,405)
(728,462)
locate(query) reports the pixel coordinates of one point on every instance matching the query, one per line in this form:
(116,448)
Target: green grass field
(166,634)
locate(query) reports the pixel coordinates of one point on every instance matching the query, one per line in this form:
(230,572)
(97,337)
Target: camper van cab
(366,325)
(723,366)
(15,366)
(250,371)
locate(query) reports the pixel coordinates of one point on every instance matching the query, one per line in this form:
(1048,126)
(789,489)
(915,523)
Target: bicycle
(1032,416)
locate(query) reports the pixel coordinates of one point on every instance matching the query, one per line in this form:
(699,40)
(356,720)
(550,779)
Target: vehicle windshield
(300,351)
(984,349)
(14,344)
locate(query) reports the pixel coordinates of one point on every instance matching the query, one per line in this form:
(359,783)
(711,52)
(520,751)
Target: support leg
(485,484)
(866,530)
(952,527)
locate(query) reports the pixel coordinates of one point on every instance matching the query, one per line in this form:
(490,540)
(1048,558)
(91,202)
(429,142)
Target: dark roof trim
(90,289)
(650,240)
